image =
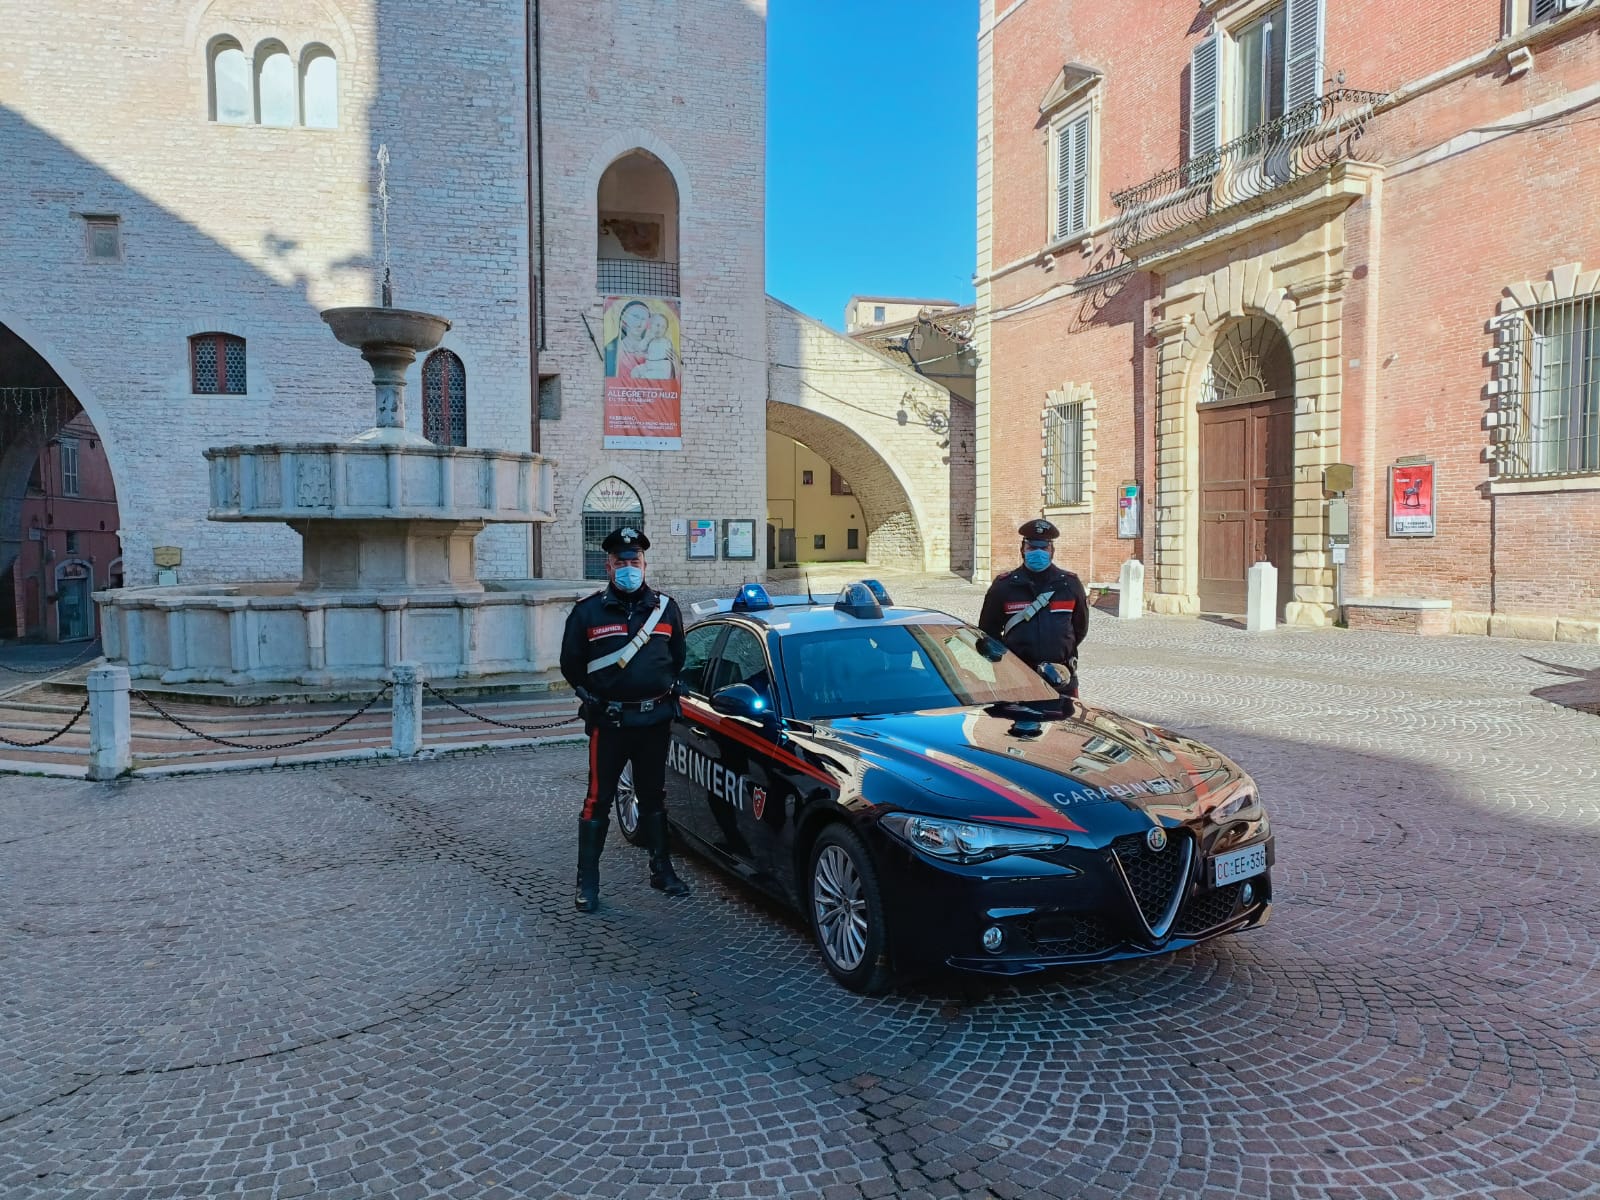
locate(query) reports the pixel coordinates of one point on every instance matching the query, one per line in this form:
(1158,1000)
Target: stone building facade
(1224,253)
(190,183)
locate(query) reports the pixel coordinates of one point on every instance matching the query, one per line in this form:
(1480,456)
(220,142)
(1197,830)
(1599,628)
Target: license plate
(1238,864)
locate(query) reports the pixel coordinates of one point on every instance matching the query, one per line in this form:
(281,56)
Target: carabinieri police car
(926,798)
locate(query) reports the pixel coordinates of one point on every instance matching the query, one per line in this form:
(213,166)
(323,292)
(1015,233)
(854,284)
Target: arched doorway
(1246,418)
(58,503)
(609,504)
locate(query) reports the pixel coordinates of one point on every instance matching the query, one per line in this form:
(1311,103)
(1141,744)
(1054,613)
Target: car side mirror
(1056,675)
(992,648)
(742,700)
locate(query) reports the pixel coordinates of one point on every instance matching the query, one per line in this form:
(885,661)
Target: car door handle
(699,732)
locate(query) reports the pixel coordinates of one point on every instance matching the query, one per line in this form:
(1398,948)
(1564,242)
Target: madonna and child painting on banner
(643,374)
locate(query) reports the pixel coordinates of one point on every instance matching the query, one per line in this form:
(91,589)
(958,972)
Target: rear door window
(700,645)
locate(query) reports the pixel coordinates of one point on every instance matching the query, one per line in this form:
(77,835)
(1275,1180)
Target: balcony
(1298,145)
(636,277)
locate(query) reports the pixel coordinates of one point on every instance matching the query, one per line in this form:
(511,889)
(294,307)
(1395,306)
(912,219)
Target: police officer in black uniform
(1039,611)
(622,653)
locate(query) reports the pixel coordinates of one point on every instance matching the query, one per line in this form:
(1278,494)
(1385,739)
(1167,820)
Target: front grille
(1069,934)
(1208,909)
(1154,876)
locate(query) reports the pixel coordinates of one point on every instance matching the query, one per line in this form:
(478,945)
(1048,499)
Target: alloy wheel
(841,908)
(627,805)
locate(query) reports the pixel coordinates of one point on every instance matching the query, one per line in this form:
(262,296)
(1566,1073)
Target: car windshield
(876,669)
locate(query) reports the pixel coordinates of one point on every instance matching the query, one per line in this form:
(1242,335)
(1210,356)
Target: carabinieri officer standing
(622,653)
(1039,611)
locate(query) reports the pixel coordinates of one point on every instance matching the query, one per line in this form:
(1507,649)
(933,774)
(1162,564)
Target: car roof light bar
(878,591)
(857,600)
(752,597)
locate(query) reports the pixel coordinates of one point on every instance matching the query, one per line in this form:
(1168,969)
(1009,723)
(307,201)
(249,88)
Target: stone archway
(58,501)
(884,428)
(1301,294)
(893,534)
(1245,463)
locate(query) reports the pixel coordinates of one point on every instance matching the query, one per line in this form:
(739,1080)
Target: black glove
(680,688)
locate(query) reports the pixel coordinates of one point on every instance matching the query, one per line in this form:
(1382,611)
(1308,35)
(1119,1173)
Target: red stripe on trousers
(594,777)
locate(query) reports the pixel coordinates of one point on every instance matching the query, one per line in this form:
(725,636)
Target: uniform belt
(637,705)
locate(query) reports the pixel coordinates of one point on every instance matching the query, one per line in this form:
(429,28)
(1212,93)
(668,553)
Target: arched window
(610,504)
(275,87)
(1252,361)
(319,88)
(636,248)
(216,364)
(230,84)
(444,399)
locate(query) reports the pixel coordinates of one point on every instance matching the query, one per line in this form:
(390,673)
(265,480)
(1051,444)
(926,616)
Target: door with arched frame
(1246,412)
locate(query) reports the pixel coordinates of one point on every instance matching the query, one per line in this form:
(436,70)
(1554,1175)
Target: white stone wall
(883,426)
(685,81)
(251,230)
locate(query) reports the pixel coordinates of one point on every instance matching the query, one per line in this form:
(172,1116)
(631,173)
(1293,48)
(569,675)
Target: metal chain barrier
(76,717)
(200,733)
(91,652)
(438,695)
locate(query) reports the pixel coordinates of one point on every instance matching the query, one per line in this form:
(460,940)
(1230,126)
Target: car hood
(1006,763)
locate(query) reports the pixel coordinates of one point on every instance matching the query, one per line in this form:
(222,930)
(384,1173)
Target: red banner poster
(643,374)
(1411,501)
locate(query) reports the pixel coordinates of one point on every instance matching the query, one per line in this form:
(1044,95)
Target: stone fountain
(387,521)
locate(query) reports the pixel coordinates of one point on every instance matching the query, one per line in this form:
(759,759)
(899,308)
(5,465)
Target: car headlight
(968,841)
(1240,803)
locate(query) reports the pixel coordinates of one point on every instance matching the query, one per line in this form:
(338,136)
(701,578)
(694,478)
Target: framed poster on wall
(1411,500)
(738,539)
(702,539)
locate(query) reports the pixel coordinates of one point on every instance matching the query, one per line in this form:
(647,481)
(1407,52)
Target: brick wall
(1481,184)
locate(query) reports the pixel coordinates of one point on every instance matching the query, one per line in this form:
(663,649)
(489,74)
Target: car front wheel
(627,807)
(847,914)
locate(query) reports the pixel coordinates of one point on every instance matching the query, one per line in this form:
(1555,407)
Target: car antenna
(810,599)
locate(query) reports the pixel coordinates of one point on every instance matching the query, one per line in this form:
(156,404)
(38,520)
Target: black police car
(926,798)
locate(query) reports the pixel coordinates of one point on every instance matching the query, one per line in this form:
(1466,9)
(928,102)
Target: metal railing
(636,277)
(1304,140)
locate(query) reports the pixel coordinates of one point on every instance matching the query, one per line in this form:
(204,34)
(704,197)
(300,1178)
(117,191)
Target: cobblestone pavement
(368,980)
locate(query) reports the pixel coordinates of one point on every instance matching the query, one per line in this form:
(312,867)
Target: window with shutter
(1071,182)
(1541,11)
(1304,42)
(1205,83)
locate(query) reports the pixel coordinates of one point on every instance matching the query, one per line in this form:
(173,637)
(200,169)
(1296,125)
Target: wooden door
(1246,500)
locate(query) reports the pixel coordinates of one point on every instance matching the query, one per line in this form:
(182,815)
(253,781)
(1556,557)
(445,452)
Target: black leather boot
(662,877)
(591,840)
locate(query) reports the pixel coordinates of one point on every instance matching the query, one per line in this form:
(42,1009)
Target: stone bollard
(405,709)
(110,729)
(1130,597)
(1261,602)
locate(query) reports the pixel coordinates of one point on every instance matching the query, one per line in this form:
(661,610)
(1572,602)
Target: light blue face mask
(628,579)
(1036,560)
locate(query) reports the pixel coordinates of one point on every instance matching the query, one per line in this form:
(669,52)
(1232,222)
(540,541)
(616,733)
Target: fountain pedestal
(388,573)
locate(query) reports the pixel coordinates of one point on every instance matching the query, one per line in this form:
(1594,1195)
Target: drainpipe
(533,83)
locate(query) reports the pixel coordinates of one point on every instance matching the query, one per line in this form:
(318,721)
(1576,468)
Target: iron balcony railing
(637,277)
(1303,141)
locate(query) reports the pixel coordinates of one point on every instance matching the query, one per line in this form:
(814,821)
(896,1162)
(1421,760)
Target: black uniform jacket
(603,623)
(1052,634)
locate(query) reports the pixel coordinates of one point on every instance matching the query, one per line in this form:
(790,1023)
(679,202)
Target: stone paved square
(368,980)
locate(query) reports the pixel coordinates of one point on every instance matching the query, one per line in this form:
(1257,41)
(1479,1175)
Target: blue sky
(871,150)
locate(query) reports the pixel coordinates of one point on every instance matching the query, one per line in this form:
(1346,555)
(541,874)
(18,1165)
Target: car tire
(845,907)
(626,807)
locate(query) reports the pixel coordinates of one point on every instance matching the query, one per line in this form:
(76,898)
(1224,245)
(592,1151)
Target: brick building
(1224,251)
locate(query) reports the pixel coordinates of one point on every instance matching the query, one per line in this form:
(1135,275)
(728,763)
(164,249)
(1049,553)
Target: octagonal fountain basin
(276,633)
(367,481)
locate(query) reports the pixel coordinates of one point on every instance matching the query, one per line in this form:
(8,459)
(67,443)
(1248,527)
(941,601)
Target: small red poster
(1411,500)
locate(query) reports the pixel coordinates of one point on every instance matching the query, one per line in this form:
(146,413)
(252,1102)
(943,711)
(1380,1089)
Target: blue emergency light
(878,591)
(857,600)
(752,597)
